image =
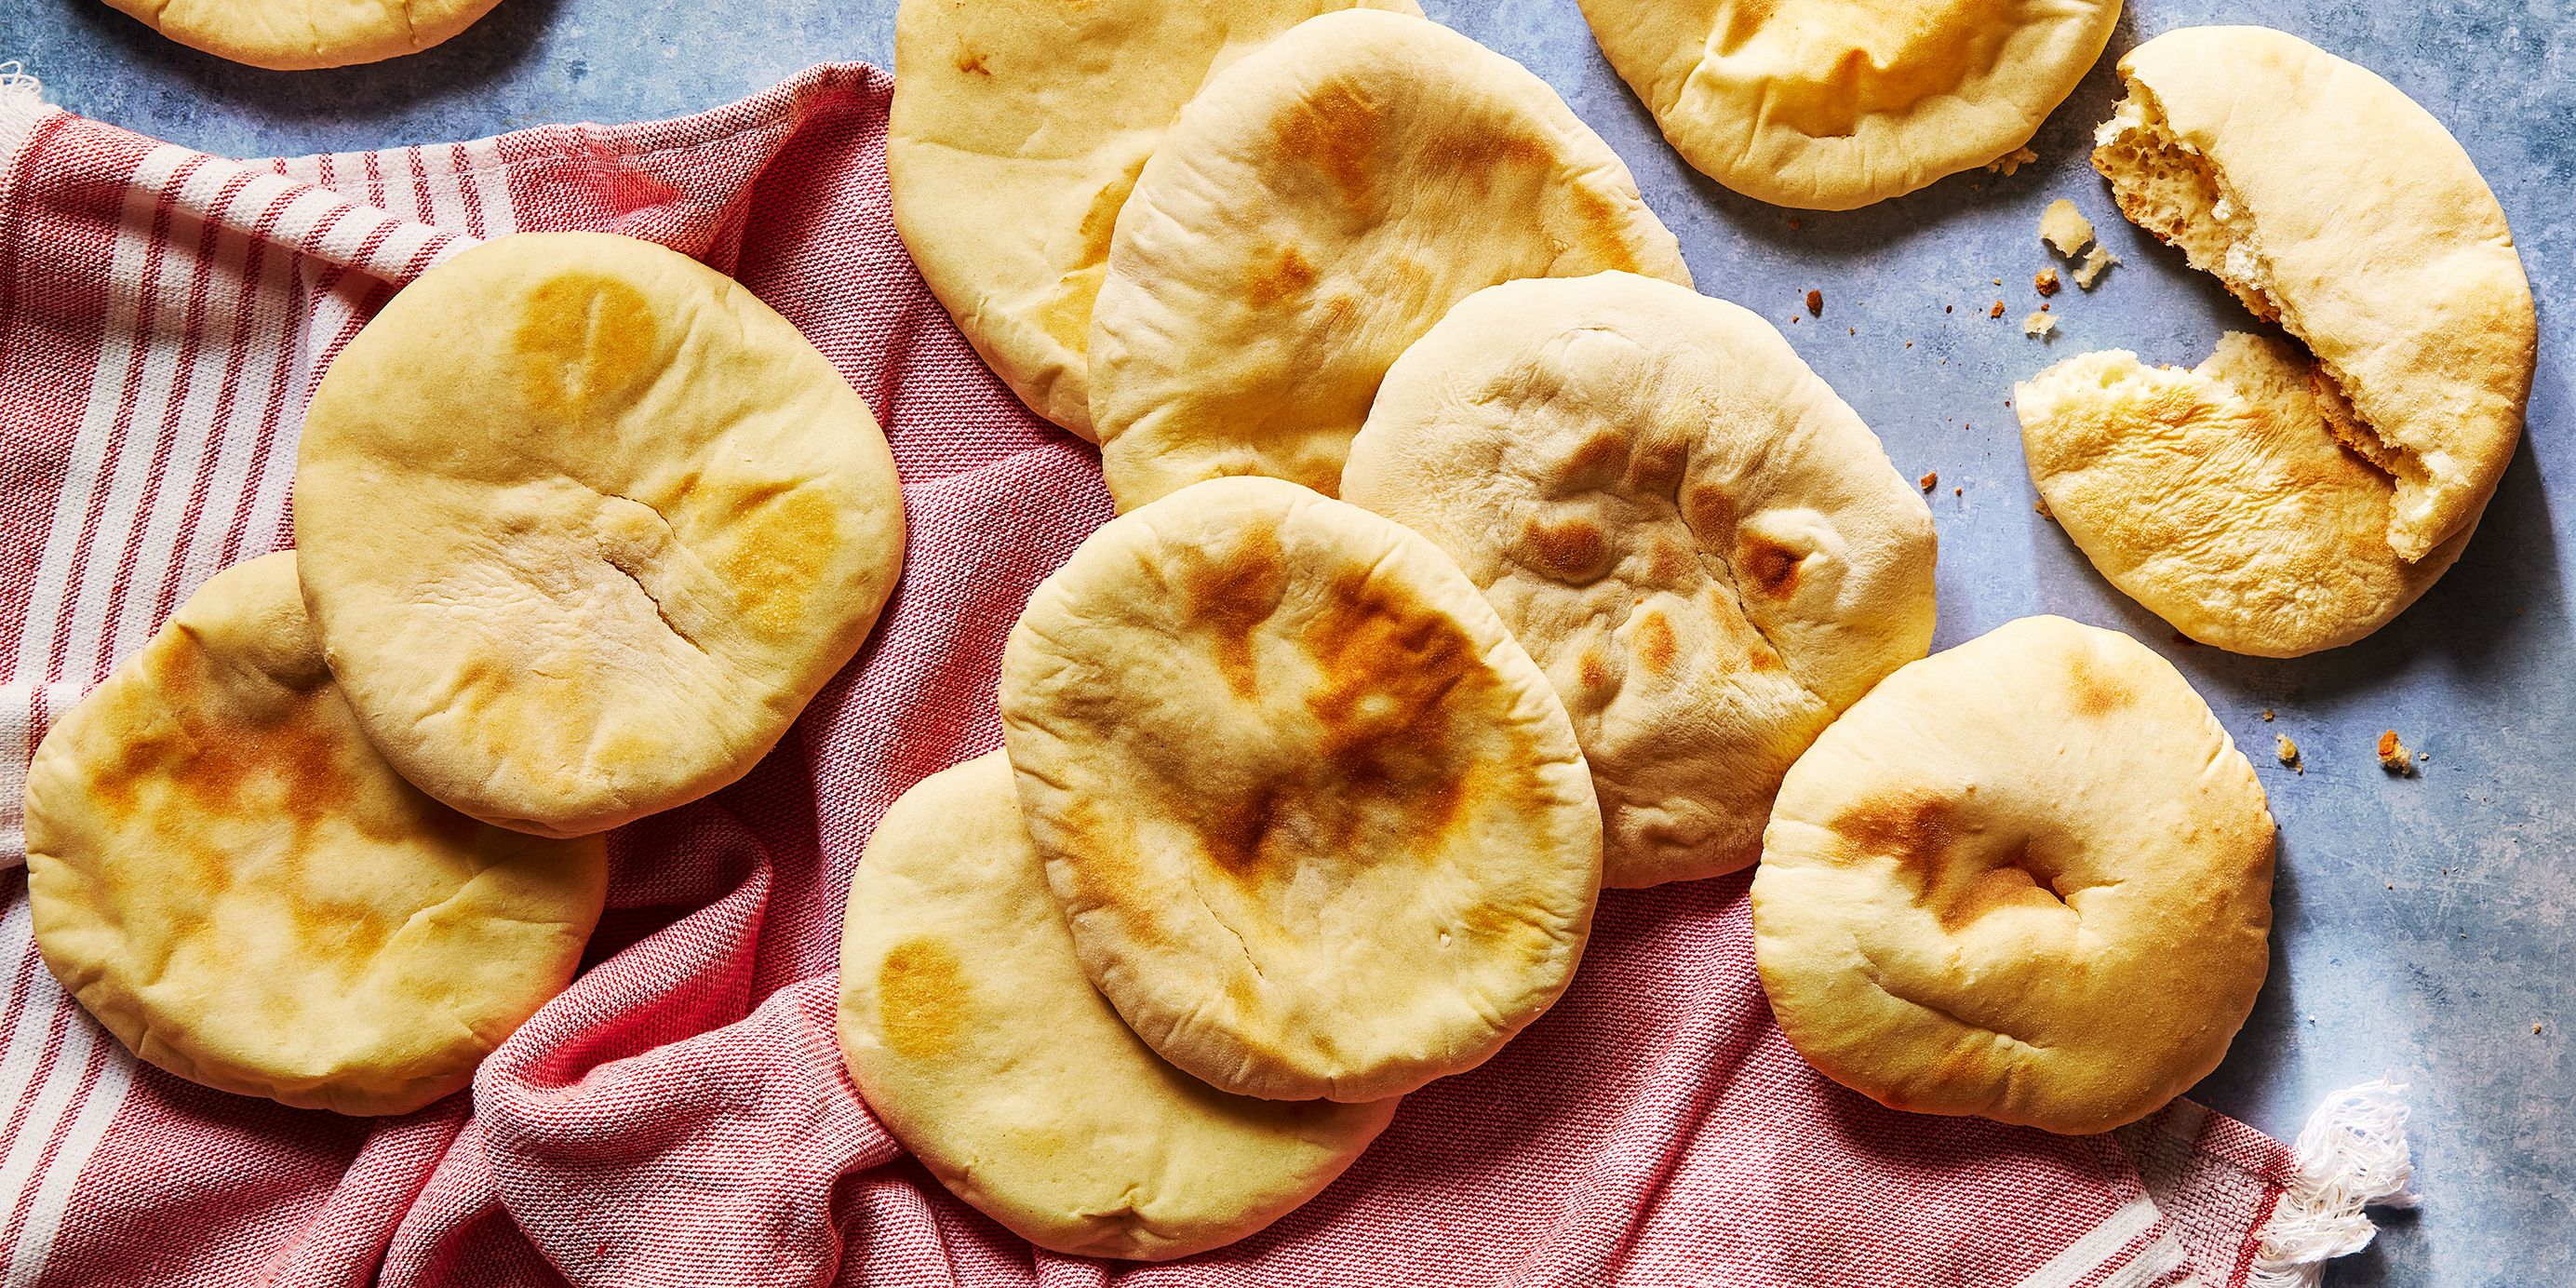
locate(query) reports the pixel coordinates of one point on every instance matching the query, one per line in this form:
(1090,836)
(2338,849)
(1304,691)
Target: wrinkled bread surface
(225,872)
(584,524)
(1320,827)
(2028,879)
(1704,548)
(2220,498)
(1017,129)
(975,1037)
(2327,200)
(1313,212)
(1834,104)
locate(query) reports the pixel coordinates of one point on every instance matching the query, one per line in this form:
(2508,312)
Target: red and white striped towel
(680,1115)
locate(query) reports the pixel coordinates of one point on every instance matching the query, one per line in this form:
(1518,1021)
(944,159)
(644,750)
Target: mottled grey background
(2424,926)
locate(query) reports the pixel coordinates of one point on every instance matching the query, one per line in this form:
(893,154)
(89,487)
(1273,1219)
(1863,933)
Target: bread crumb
(2097,261)
(2011,161)
(1997,311)
(1945,308)
(1930,481)
(2064,228)
(1958,491)
(1999,281)
(2039,326)
(2040,508)
(2267,715)
(2288,751)
(1815,302)
(2045,282)
(2394,757)
(1793,223)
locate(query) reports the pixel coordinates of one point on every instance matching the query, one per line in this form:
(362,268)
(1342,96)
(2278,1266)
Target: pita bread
(1017,129)
(584,525)
(1702,546)
(2391,262)
(1318,824)
(1834,104)
(976,1039)
(2028,878)
(2219,498)
(300,35)
(1313,212)
(224,872)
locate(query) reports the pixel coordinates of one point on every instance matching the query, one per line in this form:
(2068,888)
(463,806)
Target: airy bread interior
(2166,186)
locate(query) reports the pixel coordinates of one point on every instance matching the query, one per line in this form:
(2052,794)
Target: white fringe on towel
(2352,1155)
(22,100)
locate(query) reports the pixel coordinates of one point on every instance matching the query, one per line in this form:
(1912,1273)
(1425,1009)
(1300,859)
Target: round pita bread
(2330,202)
(976,1039)
(1313,212)
(584,525)
(1702,546)
(1318,824)
(2028,878)
(2219,499)
(222,869)
(1017,130)
(1833,104)
(300,35)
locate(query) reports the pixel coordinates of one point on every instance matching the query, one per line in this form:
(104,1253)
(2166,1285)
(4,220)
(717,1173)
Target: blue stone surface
(2425,926)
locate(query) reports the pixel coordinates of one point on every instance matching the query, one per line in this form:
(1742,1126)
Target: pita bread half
(2219,498)
(1319,826)
(1702,546)
(1017,130)
(2028,878)
(1314,211)
(225,872)
(301,35)
(2390,261)
(584,525)
(1834,104)
(974,1036)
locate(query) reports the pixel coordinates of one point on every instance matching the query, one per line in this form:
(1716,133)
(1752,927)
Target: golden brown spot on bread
(1288,273)
(1916,831)
(1711,513)
(1604,233)
(1596,464)
(282,761)
(1233,593)
(781,546)
(1670,563)
(2097,692)
(1574,551)
(583,339)
(1656,647)
(1101,220)
(1338,128)
(1592,670)
(1770,566)
(921,999)
(968,61)
(1656,468)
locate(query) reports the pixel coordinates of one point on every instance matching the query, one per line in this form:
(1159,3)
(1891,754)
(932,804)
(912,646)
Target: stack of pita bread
(582,525)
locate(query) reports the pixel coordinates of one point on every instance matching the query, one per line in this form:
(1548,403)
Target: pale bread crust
(301,35)
(225,872)
(1704,548)
(1017,130)
(1314,211)
(2391,262)
(2218,498)
(1834,104)
(1320,827)
(584,526)
(976,1039)
(2028,878)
